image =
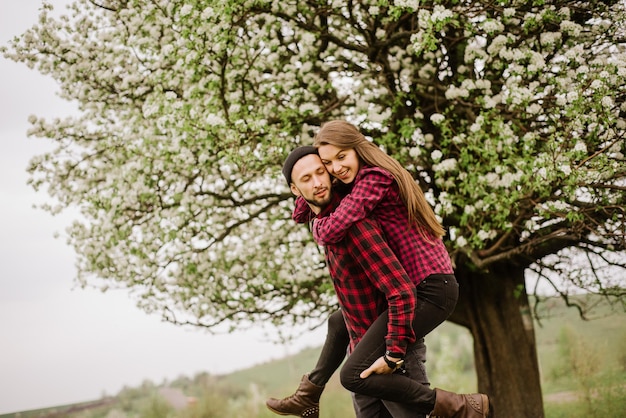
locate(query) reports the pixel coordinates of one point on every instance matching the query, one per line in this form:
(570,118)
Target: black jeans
(436,299)
(333,354)
(437,296)
(371,407)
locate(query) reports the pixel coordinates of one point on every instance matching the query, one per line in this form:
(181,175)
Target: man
(371,285)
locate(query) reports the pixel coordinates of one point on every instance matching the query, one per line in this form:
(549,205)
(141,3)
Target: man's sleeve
(385,272)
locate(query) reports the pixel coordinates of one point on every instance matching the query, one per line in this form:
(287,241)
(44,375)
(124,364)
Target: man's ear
(295,190)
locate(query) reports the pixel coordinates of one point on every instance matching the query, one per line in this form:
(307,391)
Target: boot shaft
(453,405)
(303,403)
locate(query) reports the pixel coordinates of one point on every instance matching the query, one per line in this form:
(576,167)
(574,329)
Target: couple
(391,272)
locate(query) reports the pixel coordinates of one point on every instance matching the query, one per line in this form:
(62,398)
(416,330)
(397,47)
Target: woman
(377,185)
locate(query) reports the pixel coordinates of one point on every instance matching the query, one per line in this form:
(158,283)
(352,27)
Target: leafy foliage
(510,114)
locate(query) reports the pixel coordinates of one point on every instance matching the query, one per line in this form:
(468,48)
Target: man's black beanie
(294,157)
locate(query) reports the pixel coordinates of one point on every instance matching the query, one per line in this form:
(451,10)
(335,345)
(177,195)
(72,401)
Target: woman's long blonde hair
(345,135)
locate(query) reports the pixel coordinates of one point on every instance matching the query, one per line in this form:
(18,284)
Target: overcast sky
(60,344)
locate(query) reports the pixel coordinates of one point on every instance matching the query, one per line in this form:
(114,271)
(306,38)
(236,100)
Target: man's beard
(319,203)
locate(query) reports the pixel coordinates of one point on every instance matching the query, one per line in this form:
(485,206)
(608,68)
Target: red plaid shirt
(375,193)
(368,279)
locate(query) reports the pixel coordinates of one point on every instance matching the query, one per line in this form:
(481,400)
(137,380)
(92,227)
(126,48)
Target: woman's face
(344,164)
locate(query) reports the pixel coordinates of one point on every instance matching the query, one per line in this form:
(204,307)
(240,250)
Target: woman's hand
(378,367)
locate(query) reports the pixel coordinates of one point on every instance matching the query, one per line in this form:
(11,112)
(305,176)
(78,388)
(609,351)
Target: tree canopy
(510,114)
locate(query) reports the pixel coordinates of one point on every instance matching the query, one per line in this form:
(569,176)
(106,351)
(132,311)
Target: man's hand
(378,367)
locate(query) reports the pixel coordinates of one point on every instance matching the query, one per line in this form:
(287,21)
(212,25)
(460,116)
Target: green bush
(156,407)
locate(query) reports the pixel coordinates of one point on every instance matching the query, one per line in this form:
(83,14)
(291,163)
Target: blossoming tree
(509,113)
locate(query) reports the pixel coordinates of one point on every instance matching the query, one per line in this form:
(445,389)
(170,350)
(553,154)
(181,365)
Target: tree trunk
(494,307)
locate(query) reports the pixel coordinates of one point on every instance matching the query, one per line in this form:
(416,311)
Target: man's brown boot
(453,405)
(304,403)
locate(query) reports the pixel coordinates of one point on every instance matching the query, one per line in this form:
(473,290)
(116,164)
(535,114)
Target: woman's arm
(302,212)
(370,187)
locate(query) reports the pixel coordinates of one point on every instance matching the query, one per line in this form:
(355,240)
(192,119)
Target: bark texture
(494,306)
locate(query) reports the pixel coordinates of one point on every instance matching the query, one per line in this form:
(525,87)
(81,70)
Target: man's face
(310,180)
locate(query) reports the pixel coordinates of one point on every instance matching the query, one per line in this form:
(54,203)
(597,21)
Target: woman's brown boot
(453,405)
(304,403)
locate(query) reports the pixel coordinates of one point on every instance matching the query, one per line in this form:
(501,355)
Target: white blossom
(508,179)
(214,120)
(534,109)
(309,107)
(168,49)
(607,101)
(566,169)
(455,92)
(542,173)
(411,4)
(583,69)
(483,84)
(437,118)
(186,10)
(580,147)
(549,38)
(491,179)
(564,12)
(423,18)
(570,28)
(497,44)
(436,155)
(415,152)
(440,13)
(537,62)
(483,235)
(417,137)
(509,12)
(427,71)
(596,84)
(207,13)
(490,102)
(572,96)
(449,164)
(150,109)
(444,203)
(492,26)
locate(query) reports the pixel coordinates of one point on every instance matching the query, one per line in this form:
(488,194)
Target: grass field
(582,363)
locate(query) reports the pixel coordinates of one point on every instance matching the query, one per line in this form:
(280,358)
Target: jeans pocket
(441,290)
